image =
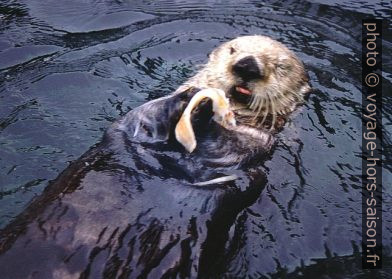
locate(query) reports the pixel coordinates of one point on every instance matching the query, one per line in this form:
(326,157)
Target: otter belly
(133,206)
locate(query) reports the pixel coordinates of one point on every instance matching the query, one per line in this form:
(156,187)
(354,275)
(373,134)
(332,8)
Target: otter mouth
(243,90)
(241,94)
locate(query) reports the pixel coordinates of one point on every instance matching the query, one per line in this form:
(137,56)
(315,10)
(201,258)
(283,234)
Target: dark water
(68,69)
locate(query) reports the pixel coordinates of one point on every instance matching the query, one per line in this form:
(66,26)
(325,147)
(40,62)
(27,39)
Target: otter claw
(227,120)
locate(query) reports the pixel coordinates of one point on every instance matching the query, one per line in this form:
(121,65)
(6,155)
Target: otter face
(261,76)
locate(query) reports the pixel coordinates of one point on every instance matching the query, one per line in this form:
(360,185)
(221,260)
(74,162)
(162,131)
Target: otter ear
(212,54)
(216,50)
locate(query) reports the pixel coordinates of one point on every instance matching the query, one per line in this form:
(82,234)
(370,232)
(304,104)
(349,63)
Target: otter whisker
(266,109)
(273,112)
(259,106)
(300,98)
(284,101)
(254,101)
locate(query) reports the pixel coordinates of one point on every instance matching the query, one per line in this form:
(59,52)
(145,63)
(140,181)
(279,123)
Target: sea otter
(139,204)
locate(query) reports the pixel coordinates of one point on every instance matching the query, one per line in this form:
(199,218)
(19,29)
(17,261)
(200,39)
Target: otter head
(262,78)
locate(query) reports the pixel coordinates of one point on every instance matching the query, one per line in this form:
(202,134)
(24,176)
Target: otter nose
(247,68)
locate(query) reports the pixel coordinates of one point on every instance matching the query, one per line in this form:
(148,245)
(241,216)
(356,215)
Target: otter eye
(284,67)
(232,50)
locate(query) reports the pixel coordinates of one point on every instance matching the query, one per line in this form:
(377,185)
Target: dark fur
(128,207)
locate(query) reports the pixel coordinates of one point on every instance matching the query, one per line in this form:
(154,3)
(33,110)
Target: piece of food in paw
(223,115)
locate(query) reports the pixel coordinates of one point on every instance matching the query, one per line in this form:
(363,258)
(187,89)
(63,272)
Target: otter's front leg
(154,121)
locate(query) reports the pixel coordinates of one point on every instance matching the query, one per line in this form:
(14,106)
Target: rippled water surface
(68,69)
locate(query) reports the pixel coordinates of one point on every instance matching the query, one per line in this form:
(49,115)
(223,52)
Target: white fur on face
(283,86)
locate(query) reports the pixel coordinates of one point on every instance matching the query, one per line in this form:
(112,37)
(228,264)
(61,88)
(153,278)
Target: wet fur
(133,207)
(130,206)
